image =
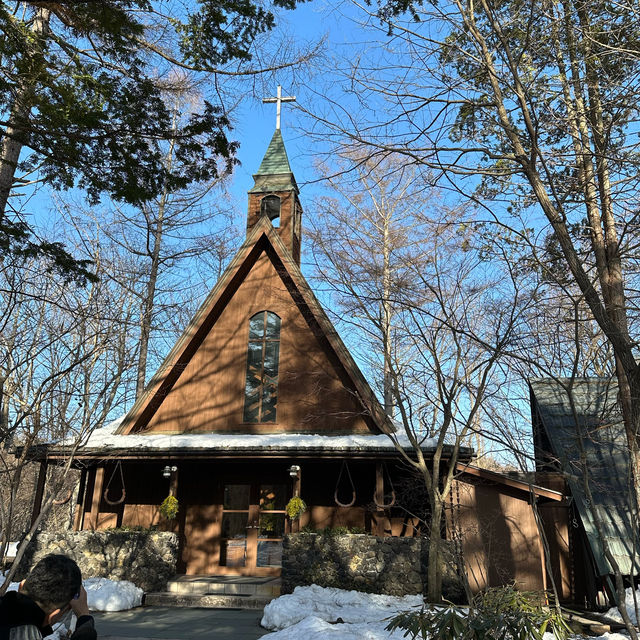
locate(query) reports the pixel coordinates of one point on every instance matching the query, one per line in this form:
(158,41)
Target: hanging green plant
(169,507)
(295,507)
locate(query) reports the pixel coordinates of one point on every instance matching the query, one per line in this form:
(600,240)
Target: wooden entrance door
(253,525)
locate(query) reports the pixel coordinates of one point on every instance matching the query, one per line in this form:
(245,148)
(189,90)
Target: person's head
(53,583)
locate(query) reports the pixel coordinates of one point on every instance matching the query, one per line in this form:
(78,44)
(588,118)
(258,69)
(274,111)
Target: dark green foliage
(496,614)
(17,240)
(87,108)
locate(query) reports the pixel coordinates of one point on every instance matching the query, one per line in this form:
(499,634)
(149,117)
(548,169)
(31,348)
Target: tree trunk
(14,134)
(434,569)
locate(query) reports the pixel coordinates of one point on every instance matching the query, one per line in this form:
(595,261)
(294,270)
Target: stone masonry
(394,566)
(148,559)
(354,561)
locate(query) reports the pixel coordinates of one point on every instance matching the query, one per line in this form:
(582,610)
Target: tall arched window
(270,206)
(261,387)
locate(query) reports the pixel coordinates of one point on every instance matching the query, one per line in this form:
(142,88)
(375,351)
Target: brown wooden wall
(500,539)
(209,395)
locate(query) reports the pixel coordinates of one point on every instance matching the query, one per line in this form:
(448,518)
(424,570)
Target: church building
(258,401)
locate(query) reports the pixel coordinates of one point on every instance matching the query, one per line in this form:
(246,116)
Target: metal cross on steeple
(279,100)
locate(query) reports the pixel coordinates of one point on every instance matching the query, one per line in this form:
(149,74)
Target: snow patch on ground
(112,595)
(328,604)
(313,628)
(309,612)
(614,614)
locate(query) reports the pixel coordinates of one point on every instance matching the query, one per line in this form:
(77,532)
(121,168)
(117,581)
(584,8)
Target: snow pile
(112,595)
(318,604)
(316,629)
(13,586)
(104,594)
(106,438)
(614,614)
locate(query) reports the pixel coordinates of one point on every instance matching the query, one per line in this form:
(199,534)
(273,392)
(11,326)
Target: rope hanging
(105,495)
(65,500)
(353,488)
(382,504)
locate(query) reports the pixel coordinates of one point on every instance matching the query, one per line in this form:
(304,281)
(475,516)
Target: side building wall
(495,528)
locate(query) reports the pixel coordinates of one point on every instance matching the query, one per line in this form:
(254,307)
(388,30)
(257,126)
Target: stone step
(210,601)
(224,585)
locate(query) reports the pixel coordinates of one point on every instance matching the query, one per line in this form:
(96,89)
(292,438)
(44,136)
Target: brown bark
(14,134)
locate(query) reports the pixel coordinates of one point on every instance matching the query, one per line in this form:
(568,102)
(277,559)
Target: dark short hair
(53,582)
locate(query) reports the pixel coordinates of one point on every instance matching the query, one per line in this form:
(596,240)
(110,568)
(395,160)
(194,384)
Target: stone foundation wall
(148,559)
(394,566)
(354,561)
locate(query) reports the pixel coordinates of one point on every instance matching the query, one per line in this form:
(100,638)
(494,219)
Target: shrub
(495,614)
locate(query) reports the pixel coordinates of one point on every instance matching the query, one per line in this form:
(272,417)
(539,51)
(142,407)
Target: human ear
(53,617)
(21,585)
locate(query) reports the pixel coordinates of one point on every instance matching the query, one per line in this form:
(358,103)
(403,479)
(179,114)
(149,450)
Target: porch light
(294,470)
(167,471)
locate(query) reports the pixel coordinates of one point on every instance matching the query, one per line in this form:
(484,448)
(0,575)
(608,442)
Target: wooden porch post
(173,483)
(78,516)
(297,485)
(37,501)
(97,495)
(380,498)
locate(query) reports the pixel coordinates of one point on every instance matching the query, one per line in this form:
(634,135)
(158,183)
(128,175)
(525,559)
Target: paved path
(172,623)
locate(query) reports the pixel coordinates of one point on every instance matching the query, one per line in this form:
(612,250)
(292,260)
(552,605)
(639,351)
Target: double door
(252,528)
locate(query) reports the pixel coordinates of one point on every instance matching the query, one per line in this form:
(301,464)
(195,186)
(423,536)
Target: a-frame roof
(261,238)
(580,424)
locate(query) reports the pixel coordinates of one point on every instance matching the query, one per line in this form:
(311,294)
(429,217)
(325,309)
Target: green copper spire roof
(275,172)
(275,159)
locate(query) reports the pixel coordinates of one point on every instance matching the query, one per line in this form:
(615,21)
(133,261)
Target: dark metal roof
(588,441)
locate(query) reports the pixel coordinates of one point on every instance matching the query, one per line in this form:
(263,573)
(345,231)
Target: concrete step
(210,601)
(225,585)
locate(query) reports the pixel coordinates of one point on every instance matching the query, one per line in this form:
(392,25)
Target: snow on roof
(106,438)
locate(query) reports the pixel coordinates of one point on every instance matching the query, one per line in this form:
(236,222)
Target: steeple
(275,195)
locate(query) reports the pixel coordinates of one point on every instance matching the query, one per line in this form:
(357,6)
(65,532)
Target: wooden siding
(200,496)
(500,540)
(209,394)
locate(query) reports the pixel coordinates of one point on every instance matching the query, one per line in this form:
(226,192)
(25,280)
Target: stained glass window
(261,387)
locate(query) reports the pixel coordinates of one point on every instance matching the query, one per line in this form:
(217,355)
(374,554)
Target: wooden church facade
(257,402)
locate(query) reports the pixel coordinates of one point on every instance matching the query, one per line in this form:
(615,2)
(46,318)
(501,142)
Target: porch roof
(105,442)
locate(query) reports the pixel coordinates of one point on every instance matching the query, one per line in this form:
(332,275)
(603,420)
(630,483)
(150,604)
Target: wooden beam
(97,496)
(78,516)
(499,478)
(37,500)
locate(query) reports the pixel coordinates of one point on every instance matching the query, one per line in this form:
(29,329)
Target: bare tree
(161,243)
(530,109)
(435,320)
(62,366)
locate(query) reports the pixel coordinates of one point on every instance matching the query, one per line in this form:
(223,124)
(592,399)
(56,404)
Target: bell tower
(275,192)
